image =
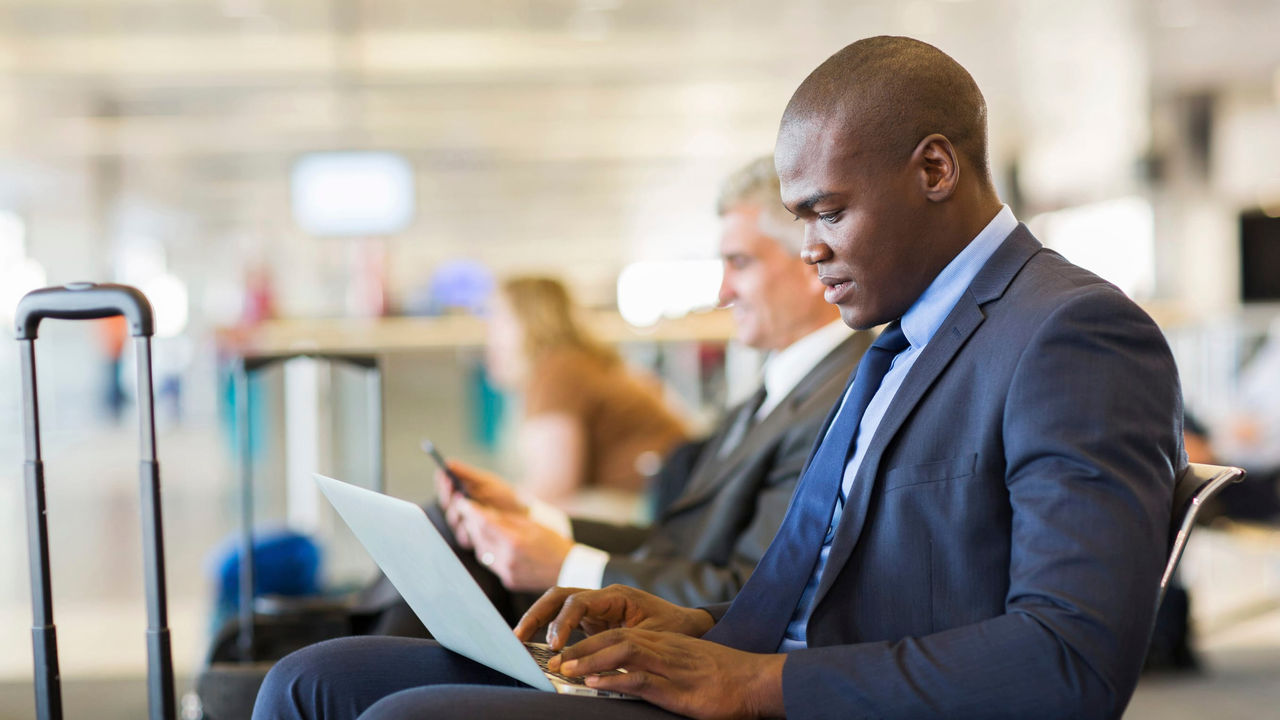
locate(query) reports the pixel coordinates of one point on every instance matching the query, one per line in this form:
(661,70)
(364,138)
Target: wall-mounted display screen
(352,193)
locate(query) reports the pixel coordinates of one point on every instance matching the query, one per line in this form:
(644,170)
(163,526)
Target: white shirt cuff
(583,567)
(549,516)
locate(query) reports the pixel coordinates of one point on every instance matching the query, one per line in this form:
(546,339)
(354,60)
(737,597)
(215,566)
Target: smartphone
(430,448)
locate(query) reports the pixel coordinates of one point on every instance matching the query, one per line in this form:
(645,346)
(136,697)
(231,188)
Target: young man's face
(862,222)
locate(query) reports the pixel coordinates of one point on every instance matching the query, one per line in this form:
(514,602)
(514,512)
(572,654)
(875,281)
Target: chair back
(1195,486)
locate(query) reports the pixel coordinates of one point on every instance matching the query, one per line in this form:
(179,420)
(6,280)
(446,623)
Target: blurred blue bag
(284,563)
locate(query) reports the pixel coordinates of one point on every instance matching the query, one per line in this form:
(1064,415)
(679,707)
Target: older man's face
(862,221)
(765,285)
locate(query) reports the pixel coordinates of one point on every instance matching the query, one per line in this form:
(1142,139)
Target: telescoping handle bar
(84,301)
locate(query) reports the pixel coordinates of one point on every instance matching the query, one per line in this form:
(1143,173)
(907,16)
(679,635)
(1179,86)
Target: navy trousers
(381,678)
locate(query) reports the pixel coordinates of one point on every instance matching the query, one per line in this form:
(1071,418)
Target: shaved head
(882,153)
(892,92)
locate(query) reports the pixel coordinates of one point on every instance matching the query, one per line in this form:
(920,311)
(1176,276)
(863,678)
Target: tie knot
(892,339)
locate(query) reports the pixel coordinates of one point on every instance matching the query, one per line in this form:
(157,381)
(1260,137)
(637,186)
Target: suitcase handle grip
(84,301)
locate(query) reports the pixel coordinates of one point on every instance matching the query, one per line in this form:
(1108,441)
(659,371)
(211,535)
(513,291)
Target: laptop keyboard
(542,653)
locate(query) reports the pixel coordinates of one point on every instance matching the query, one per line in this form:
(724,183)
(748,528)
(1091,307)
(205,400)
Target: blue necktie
(758,617)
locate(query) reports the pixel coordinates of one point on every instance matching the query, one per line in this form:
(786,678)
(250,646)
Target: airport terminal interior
(326,192)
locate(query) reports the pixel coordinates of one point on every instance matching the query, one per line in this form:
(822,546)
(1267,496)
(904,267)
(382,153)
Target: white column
(306,423)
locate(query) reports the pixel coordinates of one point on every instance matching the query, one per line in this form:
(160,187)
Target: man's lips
(838,288)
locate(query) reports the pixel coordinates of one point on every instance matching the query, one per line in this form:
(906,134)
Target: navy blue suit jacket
(1003,541)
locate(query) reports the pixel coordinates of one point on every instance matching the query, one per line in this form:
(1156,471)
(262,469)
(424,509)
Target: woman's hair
(549,319)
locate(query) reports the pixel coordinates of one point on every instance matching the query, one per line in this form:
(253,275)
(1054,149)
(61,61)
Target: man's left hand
(685,675)
(525,555)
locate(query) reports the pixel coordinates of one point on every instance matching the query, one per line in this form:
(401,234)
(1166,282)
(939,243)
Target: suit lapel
(964,319)
(713,472)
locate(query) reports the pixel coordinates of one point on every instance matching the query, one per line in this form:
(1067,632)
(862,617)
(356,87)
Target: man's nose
(814,251)
(727,294)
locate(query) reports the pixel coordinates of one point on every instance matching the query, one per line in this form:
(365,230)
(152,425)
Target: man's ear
(938,165)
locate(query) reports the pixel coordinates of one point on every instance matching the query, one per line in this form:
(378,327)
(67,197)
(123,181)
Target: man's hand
(562,610)
(656,642)
(685,675)
(525,555)
(484,488)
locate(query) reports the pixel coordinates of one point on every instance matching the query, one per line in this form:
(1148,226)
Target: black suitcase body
(267,629)
(82,301)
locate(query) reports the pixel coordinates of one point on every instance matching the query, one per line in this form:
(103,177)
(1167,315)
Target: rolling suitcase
(83,301)
(267,629)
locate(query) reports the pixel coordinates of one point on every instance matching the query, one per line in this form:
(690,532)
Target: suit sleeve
(610,537)
(668,571)
(1091,437)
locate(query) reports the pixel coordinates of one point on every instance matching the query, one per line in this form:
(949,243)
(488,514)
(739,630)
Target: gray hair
(756,184)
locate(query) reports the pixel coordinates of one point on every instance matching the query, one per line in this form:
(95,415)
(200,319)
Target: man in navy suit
(981,526)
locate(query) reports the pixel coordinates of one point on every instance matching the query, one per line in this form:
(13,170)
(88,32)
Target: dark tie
(742,422)
(758,617)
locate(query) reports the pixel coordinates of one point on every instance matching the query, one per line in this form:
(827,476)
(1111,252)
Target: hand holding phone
(430,448)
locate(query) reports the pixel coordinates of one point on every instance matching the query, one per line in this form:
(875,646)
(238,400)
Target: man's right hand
(485,489)
(562,610)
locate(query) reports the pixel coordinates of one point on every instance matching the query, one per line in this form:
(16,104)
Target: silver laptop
(422,566)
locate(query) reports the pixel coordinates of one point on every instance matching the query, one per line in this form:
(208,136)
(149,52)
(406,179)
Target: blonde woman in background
(592,429)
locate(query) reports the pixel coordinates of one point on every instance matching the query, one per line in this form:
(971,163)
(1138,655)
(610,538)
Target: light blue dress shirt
(919,324)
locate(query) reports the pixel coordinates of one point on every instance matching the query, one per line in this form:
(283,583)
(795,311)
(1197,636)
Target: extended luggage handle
(84,301)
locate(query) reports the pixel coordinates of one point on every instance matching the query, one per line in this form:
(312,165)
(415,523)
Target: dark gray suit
(704,546)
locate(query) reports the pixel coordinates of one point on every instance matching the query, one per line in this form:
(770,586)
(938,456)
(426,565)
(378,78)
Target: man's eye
(829,218)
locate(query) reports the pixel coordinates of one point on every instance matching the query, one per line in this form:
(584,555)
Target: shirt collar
(787,367)
(925,316)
